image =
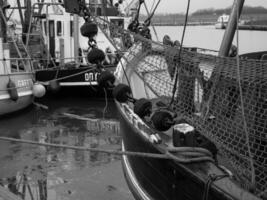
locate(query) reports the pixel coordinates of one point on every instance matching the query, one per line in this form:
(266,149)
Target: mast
(231,28)
(20,13)
(3,29)
(76,37)
(27,20)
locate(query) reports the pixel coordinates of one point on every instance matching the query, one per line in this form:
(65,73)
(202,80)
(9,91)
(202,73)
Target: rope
(106,103)
(166,156)
(179,55)
(153,27)
(253,176)
(212,178)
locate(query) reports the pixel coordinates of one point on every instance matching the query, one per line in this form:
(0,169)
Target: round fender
(89,29)
(142,107)
(106,79)
(121,93)
(12,90)
(54,86)
(162,120)
(38,90)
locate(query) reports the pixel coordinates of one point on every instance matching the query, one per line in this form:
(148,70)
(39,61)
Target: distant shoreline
(252,20)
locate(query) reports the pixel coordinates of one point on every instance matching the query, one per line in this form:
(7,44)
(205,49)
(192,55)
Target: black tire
(106,79)
(89,29)
(162,120)
(54,86)
(96,56)
(142,107)
(121,93)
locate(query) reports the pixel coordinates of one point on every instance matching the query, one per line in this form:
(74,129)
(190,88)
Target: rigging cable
(148,20)
(153,27)
(242,107)
(179,55)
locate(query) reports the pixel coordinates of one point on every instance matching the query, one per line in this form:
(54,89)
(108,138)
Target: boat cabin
(61,30)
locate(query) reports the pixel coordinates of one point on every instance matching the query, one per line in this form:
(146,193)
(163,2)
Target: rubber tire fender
(142,107)
(121,92)
(106,79)
(95,56)
(161,119)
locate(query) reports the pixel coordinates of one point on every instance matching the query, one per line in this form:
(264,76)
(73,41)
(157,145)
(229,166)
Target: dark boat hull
(150,178)
(78,81)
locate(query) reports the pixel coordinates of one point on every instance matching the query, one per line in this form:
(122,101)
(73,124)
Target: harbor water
(47,173)
(210,38)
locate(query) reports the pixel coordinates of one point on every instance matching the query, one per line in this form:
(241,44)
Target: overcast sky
(178,6)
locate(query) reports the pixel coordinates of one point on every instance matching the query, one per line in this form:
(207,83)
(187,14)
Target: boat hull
(24,82)
(152,178)
(78,81)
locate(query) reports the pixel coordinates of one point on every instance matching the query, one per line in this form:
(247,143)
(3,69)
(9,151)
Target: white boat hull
(24,84)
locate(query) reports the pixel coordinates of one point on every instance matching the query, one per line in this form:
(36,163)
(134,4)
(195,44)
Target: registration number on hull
(91,77)
(26,83)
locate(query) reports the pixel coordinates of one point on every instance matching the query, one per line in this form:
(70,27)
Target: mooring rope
(167,156)
(177,70)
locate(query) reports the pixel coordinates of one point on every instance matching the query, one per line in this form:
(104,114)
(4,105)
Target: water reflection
(35,172)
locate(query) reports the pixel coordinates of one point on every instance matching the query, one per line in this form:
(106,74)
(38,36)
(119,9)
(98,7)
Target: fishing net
(224,98)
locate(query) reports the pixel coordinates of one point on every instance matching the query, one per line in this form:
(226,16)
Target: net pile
(208,96)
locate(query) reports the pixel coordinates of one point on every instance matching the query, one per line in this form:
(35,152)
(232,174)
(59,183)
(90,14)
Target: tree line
(247,10)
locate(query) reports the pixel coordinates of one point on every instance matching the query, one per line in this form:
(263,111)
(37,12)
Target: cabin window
(71,29)
(51,29)
(59,28)
(45,28)
(98,11)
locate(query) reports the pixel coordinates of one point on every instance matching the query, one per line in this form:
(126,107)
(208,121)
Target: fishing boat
(222,21)
(17,88)
(67,47)
(198,119)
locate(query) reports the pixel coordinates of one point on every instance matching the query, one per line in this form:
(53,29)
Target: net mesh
(208,96)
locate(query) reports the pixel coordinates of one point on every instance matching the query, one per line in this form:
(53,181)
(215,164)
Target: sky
(179,6)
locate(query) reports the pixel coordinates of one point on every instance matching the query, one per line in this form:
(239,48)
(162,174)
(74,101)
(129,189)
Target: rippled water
(39,172)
